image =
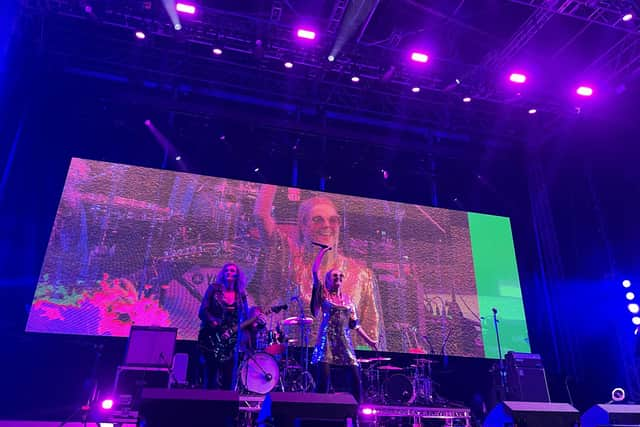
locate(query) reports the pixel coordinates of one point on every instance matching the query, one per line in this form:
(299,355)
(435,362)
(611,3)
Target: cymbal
(297,321)
(379,359)
(364,360)
(389,368)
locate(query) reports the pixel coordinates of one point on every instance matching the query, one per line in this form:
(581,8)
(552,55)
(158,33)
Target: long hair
(241,281)
(305,208)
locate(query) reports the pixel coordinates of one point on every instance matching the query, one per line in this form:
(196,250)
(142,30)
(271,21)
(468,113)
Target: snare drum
(398,390)
(274,344)
(260,373)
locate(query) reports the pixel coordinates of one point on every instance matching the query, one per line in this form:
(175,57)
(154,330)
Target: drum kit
(272,366)
(387,384)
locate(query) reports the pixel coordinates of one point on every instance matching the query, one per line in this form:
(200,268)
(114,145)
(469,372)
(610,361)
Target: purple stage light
(366,410)
(186,8)
(107,404)
(147,122)
(584,91)
(306,34)
(518,78)
(217,51)
(355,79)
(466,99)
(419,57)
(627,17)
(532,111)
(140,35)
(415,89)
(288,65)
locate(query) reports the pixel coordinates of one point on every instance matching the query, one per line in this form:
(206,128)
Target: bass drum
(260,373)
(398,390)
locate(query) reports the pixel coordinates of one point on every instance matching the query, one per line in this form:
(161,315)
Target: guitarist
(223,308)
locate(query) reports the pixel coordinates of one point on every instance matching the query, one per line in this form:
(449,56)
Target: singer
(334,349)
(289,255)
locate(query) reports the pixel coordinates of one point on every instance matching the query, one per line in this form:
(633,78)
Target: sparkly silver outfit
(333,344)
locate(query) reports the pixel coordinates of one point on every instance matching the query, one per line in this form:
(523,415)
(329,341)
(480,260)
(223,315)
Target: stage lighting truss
(383,94)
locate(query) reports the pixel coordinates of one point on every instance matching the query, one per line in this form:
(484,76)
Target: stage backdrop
(132,245)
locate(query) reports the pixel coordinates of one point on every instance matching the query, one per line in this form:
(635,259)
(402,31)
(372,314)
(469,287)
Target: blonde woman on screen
(285,267)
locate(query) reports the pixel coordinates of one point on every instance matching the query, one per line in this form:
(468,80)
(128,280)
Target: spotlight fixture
(140,35)
(628,17)
(331,58)
(355,79)
(618,394)
(419,57)
(626,283)
(466,99)
(186,8)
(288,64)
(415,89)
(217,51)
(517,78)
(532,111)
(303,33)
(107,404)
(584,91)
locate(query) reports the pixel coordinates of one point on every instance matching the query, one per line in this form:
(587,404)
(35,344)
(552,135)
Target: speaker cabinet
(308,410)
(188,408)
(610,414)
(532,414)
(526,380)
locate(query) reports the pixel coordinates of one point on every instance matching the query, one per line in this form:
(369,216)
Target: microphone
(323,246)
(495,310)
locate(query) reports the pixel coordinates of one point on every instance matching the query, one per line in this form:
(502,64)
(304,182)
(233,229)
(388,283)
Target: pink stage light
(107,404)
(627,17)
(419,57)
(147,122)
(186,8)
(306,34)
(518,78)
(140,35)
(584,91)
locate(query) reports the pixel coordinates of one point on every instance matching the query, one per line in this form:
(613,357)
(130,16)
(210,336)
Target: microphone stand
(500,361)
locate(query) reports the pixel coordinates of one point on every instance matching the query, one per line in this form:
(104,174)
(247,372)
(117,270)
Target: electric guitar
(212,340)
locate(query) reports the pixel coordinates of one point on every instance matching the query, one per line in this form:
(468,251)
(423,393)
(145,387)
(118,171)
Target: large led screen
(133,245)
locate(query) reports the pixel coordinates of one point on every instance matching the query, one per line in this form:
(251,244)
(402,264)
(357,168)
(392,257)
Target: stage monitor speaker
(151,346)
(526,380)
(188,408)
(611,414)
(532,414)
(283,409)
